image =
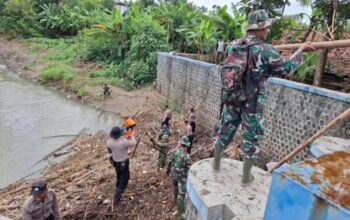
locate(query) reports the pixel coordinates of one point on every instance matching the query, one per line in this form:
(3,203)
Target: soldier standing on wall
(262,61)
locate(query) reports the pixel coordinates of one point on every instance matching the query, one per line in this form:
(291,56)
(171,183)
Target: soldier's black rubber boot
(247,176)
(180,208)
(217,157)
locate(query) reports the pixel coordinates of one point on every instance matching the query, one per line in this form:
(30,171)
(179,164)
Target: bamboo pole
(344,116)
(317,45)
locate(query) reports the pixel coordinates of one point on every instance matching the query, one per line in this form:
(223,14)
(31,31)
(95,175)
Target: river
(29,115)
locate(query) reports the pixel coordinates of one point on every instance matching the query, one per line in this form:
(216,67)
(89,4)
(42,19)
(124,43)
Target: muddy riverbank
(20,58)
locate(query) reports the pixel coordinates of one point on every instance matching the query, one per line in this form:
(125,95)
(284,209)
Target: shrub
(105,41)
(18,18)
(138,73)
(57,72)
(101,47)
(61,19)
(141,61)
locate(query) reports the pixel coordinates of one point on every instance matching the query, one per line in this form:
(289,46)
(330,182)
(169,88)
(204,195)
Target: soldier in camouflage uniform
(179,162)
(164,130)
(162,146)
(247,108)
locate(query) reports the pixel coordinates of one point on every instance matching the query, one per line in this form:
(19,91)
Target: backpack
(234,69)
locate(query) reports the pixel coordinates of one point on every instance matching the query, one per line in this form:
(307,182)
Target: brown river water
(29,114)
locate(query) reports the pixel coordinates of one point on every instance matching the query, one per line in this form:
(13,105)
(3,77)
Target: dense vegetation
(125,45)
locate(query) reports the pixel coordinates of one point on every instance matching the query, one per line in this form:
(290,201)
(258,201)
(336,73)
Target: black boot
(117,196)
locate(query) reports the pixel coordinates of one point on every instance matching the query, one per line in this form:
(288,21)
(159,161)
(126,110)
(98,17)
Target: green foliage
(105,41)
(18,18)
(56,72)
(128,44)
(204,31)
(307,69)
(60,19)
(138,73)
(108,71)
(176,105)
(58,50)
(281,25)
(81,91)
(141,60)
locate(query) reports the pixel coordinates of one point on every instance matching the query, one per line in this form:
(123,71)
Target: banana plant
(227,26)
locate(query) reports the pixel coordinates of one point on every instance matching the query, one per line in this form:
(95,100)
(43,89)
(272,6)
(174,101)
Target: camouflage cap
(258,20)
(184,141)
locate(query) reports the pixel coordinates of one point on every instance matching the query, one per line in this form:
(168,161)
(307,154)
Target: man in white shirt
(220,51)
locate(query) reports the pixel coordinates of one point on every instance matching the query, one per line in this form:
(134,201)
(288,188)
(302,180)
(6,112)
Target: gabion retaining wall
(190,82)
(293,111)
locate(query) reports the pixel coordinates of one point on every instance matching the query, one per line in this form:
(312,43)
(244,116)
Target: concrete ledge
(219,196)
(4,218)
(328,144)
(194,62)
(311,89)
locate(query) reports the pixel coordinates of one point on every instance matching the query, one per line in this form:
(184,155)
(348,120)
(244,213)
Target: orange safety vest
(128,122)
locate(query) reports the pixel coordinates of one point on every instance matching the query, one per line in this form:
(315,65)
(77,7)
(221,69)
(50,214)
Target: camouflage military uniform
(163,148)
(264,62)
(164,130)
(180,162)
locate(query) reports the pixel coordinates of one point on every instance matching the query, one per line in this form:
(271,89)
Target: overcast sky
(294,8)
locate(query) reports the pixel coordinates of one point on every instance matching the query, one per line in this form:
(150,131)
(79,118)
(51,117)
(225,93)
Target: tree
(329,16)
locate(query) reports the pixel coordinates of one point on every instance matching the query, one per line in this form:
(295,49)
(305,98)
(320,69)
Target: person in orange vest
(128,124)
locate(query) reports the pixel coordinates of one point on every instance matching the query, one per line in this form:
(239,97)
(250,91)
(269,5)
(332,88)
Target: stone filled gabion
(293,111)
(292,115)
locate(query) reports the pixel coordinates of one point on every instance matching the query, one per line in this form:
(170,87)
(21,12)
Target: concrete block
(219,195)
(329,144)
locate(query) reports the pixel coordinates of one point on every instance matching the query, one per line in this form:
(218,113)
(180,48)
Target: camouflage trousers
(179,184)
(161,160)
(252,129)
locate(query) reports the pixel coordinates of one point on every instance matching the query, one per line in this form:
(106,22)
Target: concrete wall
(293,111)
